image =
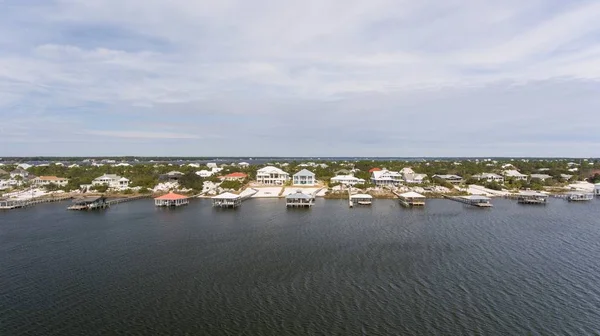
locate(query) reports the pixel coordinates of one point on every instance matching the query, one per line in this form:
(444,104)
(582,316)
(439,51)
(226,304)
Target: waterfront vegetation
(145,176)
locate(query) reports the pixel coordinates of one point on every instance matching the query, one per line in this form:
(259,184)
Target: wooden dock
(17,204)
(477,201)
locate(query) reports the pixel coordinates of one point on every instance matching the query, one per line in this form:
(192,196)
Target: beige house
(46,180)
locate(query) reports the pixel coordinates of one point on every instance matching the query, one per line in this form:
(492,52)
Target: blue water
(448,269)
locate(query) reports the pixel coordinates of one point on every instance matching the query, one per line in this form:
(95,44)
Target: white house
(46,180)
(541,177)
(243,164)
(24,165)
(347,180)
(194,165)
(271,175)
(304,178)
(514,174)
(597,189)
(454,179)
(19,172)
(204,173)
(212,165)
(74,165)
(122,164)
(489,177)
(112,181)
(385,177)
(414,178)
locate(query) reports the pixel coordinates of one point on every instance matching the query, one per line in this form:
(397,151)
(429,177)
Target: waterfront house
(304,178)
(299,199)
(234,177)
(46,180)
(171,199)
(489,177)
(243,165)
(385,178)
(270,175)
(454,179)
(204,173)
(514,174)
(541,177)
(347,180)
(19,172)
(112,181)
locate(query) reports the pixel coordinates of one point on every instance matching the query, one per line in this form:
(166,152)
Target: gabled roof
(271,170)
(361,196)
(304,172)
(374,169)
(227,195)
(171,196)
(412,194)
(50,178)
(235,175)
(298,195)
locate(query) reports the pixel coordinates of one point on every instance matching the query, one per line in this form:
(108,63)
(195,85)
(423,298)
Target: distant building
(112,181)
(172,176)
(489,177)
(304,178)
(271,176)
(454,179)
(19,172)
(347,180)
(24,165)
(212,165)
(234,177)
(541,177)
(386,177)
(243,164)
(204,173)
(46,180)
(514,174)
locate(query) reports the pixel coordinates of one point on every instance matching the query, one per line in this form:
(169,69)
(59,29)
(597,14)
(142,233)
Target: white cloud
(337,60)
(141,135)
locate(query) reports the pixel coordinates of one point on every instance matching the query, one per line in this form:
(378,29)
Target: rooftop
(171,196)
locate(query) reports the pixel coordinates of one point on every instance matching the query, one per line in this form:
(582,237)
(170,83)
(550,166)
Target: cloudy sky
(300,78)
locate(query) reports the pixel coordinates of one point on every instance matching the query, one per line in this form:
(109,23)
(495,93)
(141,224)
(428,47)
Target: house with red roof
(46,180)
(374,169)
(171,199)
(234,177)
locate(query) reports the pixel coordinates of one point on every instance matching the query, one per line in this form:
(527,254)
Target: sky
(300,78)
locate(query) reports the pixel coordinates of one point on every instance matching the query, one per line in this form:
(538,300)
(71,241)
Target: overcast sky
(300,78)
